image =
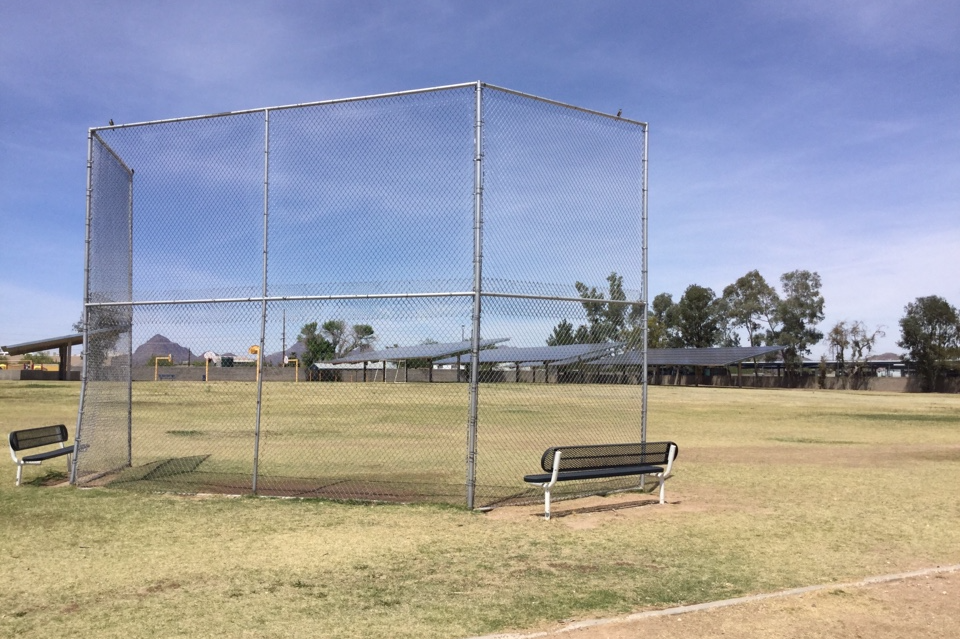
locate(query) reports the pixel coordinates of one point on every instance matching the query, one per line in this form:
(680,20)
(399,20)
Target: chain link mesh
(267,245)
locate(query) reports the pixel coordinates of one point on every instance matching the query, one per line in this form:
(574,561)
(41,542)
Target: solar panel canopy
(419,351)
(539,354)
(720,356)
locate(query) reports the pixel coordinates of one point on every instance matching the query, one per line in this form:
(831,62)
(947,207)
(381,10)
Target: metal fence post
(263,301)
(130,325)
(644,293)
(85,312)
(477,284)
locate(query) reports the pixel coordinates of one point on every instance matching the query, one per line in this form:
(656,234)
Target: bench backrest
(35,437)
(608,455)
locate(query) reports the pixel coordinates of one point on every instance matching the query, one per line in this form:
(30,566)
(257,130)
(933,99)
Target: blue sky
(811,134)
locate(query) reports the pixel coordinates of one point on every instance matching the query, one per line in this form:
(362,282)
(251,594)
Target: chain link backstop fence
(258,285)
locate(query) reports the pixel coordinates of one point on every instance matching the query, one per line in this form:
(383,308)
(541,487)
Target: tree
(838,339)
(930,331)
(605,322)
(751,305)
(859,339)
(662,323)
(344,340)
(798,312)
(562,334)
(862,342)
(317,347)
(700,318)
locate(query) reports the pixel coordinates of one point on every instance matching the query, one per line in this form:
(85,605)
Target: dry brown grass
(774,489)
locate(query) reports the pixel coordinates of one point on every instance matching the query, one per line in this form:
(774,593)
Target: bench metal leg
(19,473)
(546,503)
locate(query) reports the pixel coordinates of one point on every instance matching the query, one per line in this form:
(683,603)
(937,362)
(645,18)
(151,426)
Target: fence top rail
(565,105)
(362,296)
(362,98)
(298,105)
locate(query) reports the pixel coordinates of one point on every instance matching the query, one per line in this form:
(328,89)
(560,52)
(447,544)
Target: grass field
(350,441)
(773,489)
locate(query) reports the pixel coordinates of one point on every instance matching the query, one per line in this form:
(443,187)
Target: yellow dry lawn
(773,490)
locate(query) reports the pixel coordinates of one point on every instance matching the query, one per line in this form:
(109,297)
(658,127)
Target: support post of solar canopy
(471,480)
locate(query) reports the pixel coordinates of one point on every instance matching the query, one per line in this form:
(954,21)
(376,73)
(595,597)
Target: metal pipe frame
(471,481)
(86,309)
(299,105)
(375,96)
(263,302)
(366,296)
(644,284)
(476,294)
(129,297)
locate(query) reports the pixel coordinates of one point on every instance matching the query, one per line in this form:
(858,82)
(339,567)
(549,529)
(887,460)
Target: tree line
(753,309)
(703,319)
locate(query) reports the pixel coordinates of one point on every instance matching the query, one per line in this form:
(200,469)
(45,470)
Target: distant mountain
(158,345)
(276,359)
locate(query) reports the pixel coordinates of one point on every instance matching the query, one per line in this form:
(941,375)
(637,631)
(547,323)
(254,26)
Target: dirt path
(920,605)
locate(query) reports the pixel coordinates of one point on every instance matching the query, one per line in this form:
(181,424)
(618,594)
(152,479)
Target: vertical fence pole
(477,283)
(86,313)
(644,292)
(130,317)
(263,300)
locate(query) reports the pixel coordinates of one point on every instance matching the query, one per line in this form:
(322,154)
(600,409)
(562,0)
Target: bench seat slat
(50,454)
(594,473)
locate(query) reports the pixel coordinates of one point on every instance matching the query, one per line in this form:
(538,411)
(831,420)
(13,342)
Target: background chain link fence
(256,282)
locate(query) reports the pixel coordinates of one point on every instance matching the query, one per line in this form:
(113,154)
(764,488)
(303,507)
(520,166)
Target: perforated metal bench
(603,461)
(36,438)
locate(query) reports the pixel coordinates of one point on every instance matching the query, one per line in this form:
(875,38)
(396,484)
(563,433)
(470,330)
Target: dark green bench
(603,461)
(29,438)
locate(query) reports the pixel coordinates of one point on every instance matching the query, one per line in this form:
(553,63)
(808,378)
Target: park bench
(167,376)
(603,461)
(28,438)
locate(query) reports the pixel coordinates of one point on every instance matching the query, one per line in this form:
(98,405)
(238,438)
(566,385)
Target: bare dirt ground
(918,607)
(924,607)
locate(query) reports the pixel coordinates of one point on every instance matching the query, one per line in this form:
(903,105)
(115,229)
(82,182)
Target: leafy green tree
(562,334)
(316,347)
(662,323)
(605,322)
(751,304)
(798,312)
(700,318)
(930,331)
